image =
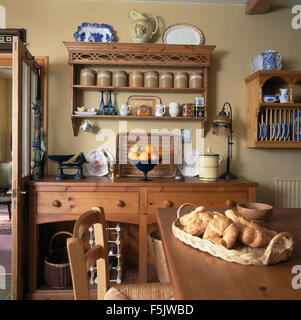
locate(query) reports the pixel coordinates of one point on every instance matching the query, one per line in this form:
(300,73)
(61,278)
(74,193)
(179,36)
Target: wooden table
(197,275)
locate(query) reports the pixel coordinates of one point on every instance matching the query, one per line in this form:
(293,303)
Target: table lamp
(222,126)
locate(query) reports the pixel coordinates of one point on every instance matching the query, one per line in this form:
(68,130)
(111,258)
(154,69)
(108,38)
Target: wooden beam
(258,6)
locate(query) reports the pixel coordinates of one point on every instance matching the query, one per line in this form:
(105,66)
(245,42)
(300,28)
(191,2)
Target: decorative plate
(287,131)
(264,130)
(182,34)
(283,130)
(94,32)
(278,130)
(98,162)
(85,112)
(191,166)
(259,131)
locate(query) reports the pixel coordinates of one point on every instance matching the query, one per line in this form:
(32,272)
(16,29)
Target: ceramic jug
(141,29)
(124,110)
(160,110)
(209,166)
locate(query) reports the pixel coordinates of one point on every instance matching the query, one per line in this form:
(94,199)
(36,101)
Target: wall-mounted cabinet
(130,56)
(273,124)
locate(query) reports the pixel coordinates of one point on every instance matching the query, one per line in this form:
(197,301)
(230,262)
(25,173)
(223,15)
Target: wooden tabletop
(197,275)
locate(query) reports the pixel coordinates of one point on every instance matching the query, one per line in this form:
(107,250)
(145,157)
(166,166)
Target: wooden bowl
(257,212)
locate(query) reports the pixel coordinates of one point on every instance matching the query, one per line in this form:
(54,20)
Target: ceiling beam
(258,6)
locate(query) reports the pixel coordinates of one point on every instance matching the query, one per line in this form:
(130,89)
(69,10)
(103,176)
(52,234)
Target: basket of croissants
(231,236)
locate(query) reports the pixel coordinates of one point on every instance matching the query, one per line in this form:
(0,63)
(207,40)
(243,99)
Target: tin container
(166,80)
(87,77)
(181,80)
(199,112)
(151,79)
(104,78)
(120,79)
(196,80)
(188,110)
(136,79)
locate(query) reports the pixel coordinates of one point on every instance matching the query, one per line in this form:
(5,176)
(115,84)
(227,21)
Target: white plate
(98,162)
(182,34)
(191,166)
(85,112)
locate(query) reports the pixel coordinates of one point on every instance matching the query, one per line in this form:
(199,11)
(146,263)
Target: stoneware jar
(136,79)
(166,80)
(195,80)
(151,79)
(209,166)
(181,80)
(104,78)
(87,77)
(120,79)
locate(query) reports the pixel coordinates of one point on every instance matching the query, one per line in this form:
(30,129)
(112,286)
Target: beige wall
(237,38)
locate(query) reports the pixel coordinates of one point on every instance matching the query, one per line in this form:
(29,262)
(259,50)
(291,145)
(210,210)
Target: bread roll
(250,233)
(221,230)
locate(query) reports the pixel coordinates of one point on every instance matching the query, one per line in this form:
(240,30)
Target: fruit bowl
(145,167)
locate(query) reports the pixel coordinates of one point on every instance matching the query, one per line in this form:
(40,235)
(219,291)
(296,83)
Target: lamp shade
(222,125)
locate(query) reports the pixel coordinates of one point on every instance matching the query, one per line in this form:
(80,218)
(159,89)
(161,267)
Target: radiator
(287,192)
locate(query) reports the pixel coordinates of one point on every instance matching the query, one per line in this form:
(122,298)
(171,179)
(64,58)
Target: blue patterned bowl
(94,32)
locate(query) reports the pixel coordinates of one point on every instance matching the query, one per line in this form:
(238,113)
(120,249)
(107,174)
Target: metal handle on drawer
(56,203)
(120,203)
(167,204)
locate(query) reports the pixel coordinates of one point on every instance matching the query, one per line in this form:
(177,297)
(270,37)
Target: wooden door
(25,81)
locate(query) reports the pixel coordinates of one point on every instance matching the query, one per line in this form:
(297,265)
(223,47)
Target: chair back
(81,261)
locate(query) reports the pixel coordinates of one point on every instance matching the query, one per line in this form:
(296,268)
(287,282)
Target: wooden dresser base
(125,200)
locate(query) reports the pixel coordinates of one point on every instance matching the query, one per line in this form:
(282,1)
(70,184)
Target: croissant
(196,221)
(221,230)
(250,233)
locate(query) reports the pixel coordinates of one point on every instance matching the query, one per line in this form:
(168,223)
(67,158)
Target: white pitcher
(124,110)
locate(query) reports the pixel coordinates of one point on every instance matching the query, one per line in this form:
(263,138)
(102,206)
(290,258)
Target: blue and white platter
(94,32)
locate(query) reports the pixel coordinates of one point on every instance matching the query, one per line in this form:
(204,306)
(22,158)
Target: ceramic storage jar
(104,78)
(166,80)
(151,79)
(120,79)
(87,77)
(181,80)
(136,79)
(196,80)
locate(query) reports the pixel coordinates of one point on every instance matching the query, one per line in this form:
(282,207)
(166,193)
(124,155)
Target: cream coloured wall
(237,38)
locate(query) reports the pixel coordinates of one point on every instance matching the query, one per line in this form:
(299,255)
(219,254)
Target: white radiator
(287,192)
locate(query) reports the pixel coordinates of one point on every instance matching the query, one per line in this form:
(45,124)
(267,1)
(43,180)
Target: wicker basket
(57,272)
(157,250)
(278,247)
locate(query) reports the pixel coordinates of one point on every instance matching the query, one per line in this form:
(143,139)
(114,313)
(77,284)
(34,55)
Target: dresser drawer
(79,202)
(208,199)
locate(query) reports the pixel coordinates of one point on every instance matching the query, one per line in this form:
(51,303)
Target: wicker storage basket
(57,272)
(157,250)
(278,247)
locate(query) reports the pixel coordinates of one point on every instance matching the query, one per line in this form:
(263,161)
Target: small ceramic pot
(104,78)
(87,77)
(136,79)
(151,79)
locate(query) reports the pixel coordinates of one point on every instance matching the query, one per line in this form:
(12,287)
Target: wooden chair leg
(9,210)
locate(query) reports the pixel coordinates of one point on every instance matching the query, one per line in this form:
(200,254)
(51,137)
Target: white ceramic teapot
(141,29)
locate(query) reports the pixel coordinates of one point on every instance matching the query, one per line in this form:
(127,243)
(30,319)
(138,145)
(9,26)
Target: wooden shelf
(280,105)
(133,55)
(118,117)
(142,89)
(269,114)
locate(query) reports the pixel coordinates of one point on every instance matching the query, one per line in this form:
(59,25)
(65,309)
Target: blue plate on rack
(264,130)
(273,131)
(283,130)
(259,131)
(278,130)
(287,131)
